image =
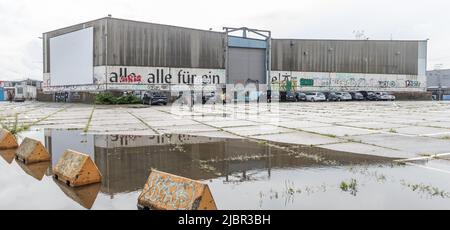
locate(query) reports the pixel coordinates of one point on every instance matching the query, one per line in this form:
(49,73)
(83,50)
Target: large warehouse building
(122,55)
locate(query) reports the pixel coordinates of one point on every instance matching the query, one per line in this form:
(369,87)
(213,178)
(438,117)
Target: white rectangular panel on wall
(71,58)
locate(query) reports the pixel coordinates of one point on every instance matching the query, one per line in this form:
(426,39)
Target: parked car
(327,95)
(315,96)
(384,96)
(300,96)
(364,93)
(330,96)
(155,98)
(290,96)
(357,96)
(343,96)
(371,96)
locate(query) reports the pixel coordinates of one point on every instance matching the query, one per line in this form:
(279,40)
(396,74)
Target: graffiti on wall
(142,78)
(342,81)
(155,75)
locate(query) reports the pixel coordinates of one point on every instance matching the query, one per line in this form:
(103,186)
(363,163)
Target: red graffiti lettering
(130,78)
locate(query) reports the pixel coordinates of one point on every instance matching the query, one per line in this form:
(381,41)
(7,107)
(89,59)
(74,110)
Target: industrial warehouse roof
(134,21)
(204,30)
(135,43)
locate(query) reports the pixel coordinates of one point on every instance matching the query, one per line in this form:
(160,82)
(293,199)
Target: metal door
(246,65)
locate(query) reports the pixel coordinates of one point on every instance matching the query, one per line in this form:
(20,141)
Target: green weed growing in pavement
(14,127)
(427,189)
(392,131)
(351,186)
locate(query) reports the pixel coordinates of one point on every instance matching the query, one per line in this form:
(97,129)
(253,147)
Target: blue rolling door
(2,94)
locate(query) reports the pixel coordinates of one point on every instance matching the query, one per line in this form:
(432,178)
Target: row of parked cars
(340,96)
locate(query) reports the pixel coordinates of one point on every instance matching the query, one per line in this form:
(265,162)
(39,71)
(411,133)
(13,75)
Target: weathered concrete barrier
(164,191)
(32,151)
(76,169)
(7,140)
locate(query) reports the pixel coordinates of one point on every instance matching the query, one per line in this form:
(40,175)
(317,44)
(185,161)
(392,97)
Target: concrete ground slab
(339,131)
(421,130)
(372,125)
(257,130)
(441,124)
(299,124)
(301,138)
(367,150)
(216,134)
(188,129)
(413,145)
(231,123)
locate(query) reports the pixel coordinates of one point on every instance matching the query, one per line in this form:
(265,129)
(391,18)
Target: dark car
(357,96)
(291,96)
(333,96)
(155,98)
(300,96)
(328,95)
(364,93)
(371,96)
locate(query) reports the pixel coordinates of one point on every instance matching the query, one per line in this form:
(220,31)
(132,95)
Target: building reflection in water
(125,161)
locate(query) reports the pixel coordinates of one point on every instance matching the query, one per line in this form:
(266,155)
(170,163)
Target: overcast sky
(22,22)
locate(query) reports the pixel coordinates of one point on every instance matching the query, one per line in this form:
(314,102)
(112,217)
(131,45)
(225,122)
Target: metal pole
(106,56)
(440,87)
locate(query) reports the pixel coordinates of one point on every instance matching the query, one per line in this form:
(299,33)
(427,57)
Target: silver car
(384,96)
(344,96)
(315,96)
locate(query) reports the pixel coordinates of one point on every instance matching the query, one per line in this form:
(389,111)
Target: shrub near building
(110,99)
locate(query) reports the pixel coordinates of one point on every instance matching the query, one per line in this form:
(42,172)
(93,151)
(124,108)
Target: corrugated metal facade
(145,44)
(345,56)
(132,43)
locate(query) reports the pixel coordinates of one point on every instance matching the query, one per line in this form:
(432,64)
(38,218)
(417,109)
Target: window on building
(19,90)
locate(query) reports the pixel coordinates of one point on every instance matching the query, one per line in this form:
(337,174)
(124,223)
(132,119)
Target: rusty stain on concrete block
(76,169)
(164,191)
(7,140)
(32,151)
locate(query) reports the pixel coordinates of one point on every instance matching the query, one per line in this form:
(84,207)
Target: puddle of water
(242,174)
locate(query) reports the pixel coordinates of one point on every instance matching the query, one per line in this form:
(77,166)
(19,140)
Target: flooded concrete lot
(241,173)
(364,155)
(413,128)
